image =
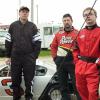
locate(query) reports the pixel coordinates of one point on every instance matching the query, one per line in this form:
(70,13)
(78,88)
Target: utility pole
(37,12)
(52,27)
(19,3)
(17,14)
(32,10)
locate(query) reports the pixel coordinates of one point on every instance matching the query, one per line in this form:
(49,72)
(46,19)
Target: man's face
(89,17)
(24,14)
(67,22)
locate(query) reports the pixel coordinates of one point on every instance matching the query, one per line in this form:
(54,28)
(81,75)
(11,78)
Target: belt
(87,59)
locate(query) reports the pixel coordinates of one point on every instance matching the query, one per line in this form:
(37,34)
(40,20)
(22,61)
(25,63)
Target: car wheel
(54,93)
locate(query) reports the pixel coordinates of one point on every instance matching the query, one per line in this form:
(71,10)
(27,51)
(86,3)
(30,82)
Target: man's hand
(54,58)
(98,62)
(8,61)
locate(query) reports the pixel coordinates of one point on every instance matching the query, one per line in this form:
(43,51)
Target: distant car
(3,34)
(46,85)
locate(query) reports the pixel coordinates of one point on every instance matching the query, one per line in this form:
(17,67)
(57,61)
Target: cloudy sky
(48,10)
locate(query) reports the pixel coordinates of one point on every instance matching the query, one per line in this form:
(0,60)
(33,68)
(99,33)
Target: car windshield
(3,33)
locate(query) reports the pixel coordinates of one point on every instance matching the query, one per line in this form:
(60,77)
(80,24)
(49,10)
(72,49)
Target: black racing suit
(23,46)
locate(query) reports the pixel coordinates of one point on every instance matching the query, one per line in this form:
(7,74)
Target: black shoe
(28,98)
(16,98)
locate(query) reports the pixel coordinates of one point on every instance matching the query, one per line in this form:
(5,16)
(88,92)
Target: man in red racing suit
(87,57)
(61,50)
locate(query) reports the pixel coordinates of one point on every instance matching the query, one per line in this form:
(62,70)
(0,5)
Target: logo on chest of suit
(66,40)
(82,36)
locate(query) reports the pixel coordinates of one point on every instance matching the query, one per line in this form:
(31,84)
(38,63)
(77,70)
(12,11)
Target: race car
(46,85)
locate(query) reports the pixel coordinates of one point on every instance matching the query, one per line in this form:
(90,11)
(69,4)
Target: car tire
(54,93)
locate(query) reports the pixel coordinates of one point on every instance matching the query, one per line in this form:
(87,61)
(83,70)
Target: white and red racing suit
(61,50)
(64,40)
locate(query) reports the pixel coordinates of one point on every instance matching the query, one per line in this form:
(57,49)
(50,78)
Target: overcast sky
(48,10)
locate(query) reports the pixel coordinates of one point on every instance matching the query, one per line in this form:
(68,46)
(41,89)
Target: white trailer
(47,31)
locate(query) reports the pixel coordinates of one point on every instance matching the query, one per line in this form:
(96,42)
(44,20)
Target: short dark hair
(67,15)
(24,8)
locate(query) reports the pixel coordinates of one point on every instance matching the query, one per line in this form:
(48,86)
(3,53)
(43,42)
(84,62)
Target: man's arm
(75,51)
(98,59)
(36,40)
(8,45)
(37,45)
(8,42)
(54,47)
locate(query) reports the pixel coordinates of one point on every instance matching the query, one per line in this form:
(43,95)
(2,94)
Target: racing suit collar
(70,30)
(91,27)
(22,23)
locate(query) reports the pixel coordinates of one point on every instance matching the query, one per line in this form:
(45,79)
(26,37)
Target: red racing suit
(86,56)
